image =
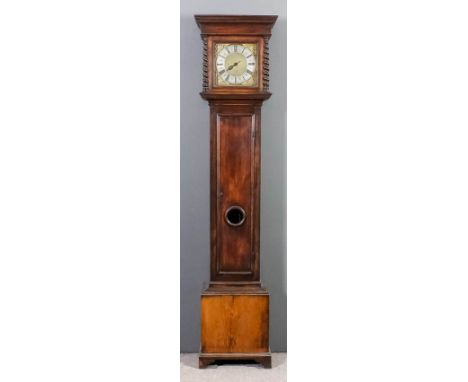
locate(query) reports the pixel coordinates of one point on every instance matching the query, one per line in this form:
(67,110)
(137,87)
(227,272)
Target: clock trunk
(235,185)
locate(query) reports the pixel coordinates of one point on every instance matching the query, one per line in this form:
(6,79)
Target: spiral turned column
(205,64)
(266,64)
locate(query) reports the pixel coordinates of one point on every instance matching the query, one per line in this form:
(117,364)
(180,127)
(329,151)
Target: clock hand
(233,65)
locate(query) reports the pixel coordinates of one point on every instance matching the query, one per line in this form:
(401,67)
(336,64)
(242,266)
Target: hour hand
(233,65)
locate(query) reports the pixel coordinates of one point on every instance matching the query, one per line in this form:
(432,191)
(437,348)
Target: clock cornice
(236,24)
(247,25)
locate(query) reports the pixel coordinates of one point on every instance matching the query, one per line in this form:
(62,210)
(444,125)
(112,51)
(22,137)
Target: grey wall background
(194,170)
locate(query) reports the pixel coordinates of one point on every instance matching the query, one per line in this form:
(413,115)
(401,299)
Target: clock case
(235,29)
(235,306)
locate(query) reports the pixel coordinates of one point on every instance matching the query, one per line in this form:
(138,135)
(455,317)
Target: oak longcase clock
(235,306)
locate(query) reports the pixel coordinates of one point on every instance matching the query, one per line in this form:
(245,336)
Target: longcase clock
(235,306)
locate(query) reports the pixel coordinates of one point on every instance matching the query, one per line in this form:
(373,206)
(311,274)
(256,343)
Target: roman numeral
(222,72)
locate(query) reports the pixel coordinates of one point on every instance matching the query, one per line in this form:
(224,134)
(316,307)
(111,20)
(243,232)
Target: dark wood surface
(235,181)
(206,359)
(235,308)
(235,184)
(242,288)
(235,25)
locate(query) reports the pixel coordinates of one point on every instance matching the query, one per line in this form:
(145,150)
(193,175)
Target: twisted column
(266,63)
(205,64)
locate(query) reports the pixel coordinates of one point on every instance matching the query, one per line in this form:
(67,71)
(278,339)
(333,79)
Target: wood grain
(235,180)
(234,324)
(235,158)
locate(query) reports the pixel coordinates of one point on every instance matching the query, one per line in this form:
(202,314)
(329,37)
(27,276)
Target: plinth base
(206,359)
(235,325)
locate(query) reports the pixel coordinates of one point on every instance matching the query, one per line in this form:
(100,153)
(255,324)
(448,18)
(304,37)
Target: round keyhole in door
(235,216)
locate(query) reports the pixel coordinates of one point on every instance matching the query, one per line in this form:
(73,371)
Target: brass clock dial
(236,65)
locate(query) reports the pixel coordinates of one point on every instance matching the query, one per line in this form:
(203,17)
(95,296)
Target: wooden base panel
(206,359)
(234,323)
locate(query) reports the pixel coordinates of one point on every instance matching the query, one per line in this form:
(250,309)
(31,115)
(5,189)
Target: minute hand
(233,65)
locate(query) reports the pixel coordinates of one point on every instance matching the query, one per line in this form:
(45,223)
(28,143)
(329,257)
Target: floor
(189,371)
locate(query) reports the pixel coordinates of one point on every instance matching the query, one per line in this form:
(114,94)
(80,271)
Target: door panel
(235,182)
